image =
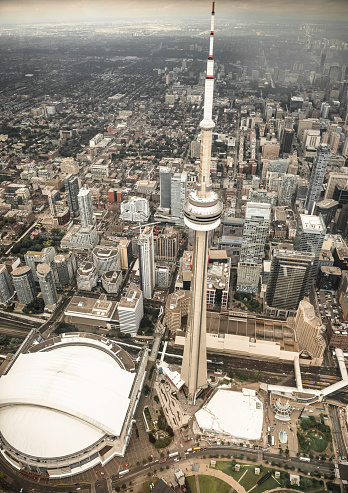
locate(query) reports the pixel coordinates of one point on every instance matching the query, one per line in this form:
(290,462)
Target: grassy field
(208,484)
(318,442)
(248,479)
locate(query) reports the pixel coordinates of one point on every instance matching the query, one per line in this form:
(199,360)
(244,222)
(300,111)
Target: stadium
(67,404)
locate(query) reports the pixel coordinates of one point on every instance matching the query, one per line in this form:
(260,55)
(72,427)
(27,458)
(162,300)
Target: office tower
(167,245)
(255,232)
(288,278)
(327,208)
(336,179)
(202,213)
(325,110)
(72,187)
(6,288)
(165,185)
(85,207)
(47,286)
(146,261)
(125,250)
(24,284)
(32,259)
(131,310)
(322,62)
(310,235)
(178,194)
(317,176)
(288,137)
(287,189)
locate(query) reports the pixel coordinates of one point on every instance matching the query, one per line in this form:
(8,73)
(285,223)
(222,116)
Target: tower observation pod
(202,213)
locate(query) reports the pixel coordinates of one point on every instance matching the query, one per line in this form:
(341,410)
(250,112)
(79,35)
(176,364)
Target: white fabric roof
(58,402)
(234,413)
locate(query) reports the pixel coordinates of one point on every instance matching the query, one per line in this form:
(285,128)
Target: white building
(80,238)
(146,261)
(106,259)
(233,416)
(86,419)
(112,281)
(130,310)
(87,276)
(256,229)
(317,176)
(85,207)
(178,194)
(6,287)
(47,286)
(137,209)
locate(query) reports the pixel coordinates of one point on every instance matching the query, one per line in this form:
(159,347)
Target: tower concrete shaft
(202,213)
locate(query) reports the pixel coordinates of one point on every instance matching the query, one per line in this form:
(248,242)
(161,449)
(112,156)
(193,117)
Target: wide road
(142,470)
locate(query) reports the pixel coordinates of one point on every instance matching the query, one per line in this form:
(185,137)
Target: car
(126,464)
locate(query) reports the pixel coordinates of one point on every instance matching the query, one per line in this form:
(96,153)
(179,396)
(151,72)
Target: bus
(173,454)
(196,449)
(305,459)
(123,473)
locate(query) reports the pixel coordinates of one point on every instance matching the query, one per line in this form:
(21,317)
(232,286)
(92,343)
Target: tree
(152,439)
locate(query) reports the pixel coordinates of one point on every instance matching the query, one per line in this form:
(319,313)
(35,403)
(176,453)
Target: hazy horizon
(65,11)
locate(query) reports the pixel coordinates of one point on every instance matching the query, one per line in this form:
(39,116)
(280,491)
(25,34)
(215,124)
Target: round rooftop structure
(67,405)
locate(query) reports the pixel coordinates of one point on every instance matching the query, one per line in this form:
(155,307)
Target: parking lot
(329,309)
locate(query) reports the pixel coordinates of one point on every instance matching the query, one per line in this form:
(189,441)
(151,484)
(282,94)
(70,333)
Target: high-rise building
(287,189)
(53,198)
(24,284)
(146,261)
(106,259)
(47,286)
(167,245)
(32,259)
(310,236)
(165,186)
(288,280)
(178,194)
(131,310)
(137,209)
(202,213)
(327,208)
(72,187)
(64,269)
(288,137)
(256,229)
(6,287)
(317,176)
(86,207)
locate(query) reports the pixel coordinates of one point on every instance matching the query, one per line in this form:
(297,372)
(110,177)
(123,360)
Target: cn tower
(202,213)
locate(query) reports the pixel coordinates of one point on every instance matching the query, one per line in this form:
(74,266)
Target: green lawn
(226,467)
(208,484)
(250,479)
(318,442)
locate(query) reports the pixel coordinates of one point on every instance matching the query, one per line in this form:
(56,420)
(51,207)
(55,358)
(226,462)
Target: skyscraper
(256,228)
(288,278)
(6,288)
(146,261)
(288,137)
(86,207)
(47,286)
(165,185)
(317,176)
(287,188)
(72,188)
(310,236)
(202,213)
(24,284)
(178,194)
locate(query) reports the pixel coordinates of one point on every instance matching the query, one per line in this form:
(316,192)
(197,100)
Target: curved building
(68,405)
(106,258)
(47,286)
(24,284)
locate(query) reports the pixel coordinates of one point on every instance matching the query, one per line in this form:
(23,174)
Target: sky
(38,11)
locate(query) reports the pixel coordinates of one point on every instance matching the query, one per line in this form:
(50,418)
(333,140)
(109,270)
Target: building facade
(146,261)
(317,176)
(24,284)
(47,286)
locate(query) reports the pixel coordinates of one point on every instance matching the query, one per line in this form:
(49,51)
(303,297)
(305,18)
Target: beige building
(309,331)
(167,245)
(177,306)
(69,166)
(340,179)
(89,313)
(124,248)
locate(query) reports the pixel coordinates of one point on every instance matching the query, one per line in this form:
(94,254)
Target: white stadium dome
(64,401)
